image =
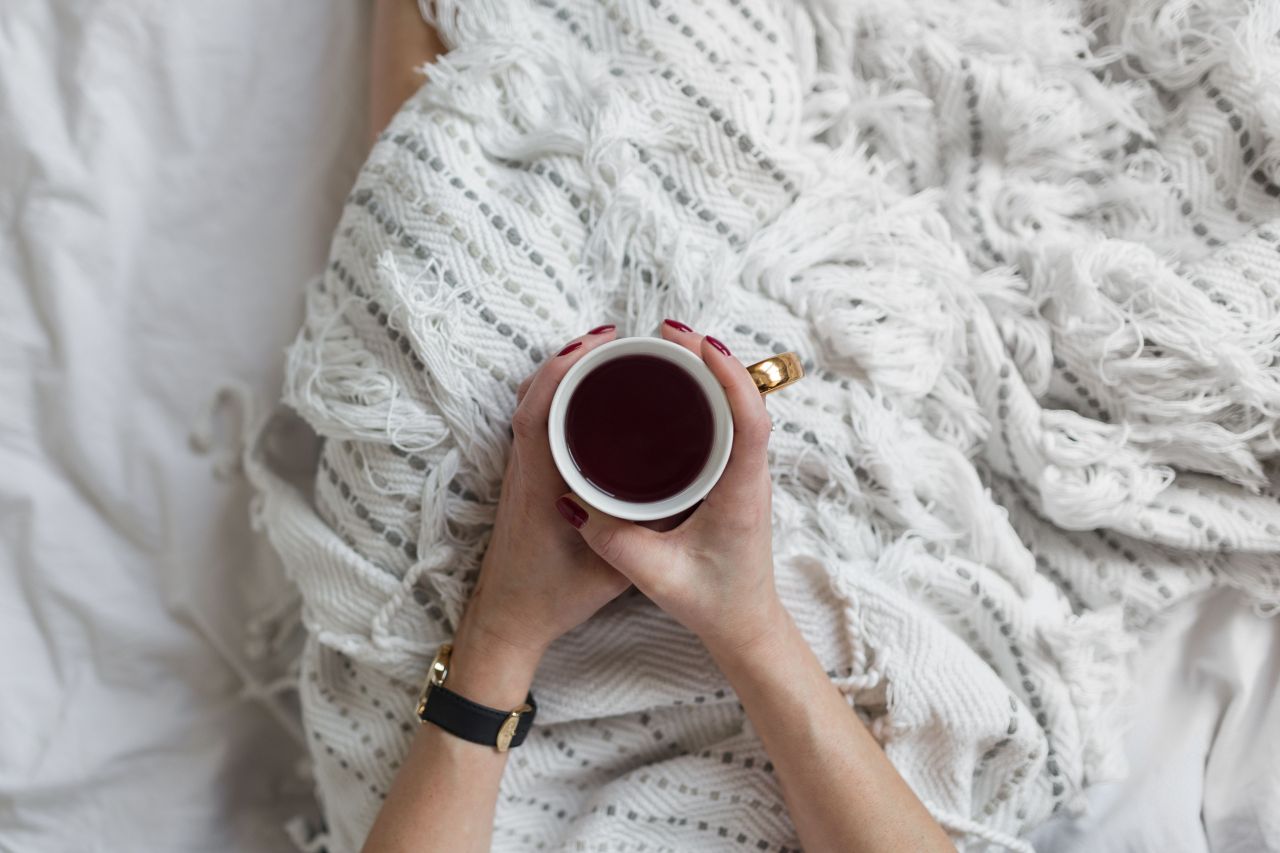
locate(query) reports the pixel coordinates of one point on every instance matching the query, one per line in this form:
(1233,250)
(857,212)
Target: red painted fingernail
(724,349)
(570,348)
(600,330)
(574,514)
(677,325)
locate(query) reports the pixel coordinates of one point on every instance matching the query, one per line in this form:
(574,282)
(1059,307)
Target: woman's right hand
(713,572)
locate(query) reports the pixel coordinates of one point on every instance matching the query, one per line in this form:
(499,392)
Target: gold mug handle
(776,371)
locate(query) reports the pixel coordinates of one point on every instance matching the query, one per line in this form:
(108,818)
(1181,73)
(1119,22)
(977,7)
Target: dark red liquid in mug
(639,428)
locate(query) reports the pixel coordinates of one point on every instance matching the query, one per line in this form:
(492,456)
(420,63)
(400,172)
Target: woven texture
(1029,255)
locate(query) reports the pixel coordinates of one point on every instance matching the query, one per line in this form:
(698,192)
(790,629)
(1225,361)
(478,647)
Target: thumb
(622,544)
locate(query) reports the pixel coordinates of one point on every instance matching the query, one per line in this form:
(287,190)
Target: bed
(170,175)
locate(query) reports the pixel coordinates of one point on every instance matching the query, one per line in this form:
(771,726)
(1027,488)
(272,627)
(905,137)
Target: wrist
(488,669)
(768,630)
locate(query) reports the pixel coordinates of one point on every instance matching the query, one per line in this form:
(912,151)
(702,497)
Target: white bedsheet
(169,176)
(1204,747)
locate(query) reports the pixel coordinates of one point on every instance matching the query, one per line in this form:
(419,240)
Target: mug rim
(722,430)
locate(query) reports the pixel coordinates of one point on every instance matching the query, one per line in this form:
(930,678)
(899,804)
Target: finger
(751,426)
(679,333)
(625,545)
(524,387)
(530,418)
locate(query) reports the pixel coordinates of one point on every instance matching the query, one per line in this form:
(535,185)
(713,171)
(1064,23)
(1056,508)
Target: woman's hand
(713,572)
(538,578)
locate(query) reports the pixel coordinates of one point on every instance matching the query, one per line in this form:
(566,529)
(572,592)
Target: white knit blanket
(1029,253)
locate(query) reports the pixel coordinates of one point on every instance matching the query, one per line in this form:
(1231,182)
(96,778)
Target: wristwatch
(469,720)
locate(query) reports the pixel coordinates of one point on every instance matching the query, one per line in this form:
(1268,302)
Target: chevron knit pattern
(1029,254)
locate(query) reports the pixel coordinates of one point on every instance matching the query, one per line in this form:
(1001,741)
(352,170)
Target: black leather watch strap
(470,720)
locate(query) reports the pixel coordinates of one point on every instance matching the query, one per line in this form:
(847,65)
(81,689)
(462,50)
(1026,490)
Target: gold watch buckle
(435,676)
(508,729)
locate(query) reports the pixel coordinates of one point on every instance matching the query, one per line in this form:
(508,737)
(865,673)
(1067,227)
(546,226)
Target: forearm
(402,42)
(840,788)
(444,795)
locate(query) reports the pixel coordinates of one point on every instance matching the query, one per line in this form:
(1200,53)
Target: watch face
(439,671)
(435,676)
(423,696)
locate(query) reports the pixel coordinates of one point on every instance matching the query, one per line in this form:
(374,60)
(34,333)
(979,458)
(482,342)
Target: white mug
(769,375)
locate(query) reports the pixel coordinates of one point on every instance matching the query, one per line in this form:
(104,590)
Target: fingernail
(574,514)
(570,348)
(724,349)
(677,325)
(600,330)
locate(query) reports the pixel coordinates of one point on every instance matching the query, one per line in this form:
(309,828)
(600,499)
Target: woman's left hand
(538,578)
